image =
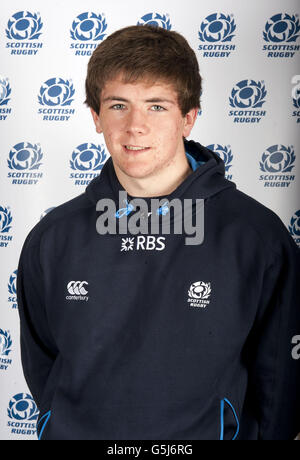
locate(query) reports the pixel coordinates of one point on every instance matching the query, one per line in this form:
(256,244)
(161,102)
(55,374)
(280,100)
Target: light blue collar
(194,164)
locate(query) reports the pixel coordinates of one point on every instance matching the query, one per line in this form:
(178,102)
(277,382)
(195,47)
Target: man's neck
(162,183)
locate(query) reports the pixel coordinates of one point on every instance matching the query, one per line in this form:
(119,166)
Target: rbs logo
(143,243)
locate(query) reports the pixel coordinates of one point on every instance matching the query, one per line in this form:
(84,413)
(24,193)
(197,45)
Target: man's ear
(96,119)
(189,121)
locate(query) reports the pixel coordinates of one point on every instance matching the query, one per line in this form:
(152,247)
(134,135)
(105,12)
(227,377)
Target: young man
(142,336)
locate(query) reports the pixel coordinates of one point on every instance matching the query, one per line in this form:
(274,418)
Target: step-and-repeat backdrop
(249,56)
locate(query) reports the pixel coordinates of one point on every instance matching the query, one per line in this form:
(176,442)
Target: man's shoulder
(246,204)
(253,215)
(63,217)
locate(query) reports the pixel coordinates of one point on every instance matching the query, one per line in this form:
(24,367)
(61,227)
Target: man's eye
(118,106)
(157,108)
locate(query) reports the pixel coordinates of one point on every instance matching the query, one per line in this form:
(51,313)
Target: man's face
(142,126)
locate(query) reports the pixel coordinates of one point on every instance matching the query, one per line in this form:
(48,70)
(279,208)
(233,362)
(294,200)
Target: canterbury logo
(77,287)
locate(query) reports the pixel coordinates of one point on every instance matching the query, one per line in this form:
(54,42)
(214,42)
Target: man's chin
(136,173)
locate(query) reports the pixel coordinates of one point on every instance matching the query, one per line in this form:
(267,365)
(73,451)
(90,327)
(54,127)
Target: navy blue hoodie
(162,341)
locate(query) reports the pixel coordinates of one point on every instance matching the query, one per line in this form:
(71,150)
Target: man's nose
(136,122)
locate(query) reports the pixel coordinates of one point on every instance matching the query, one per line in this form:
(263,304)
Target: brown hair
(145,52)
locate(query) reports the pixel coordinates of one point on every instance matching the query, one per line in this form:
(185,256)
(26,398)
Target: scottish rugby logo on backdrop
(294,227)
(23,413)
(296,97)
(296,104)
(5,350)
(281,31)
(87,31)
(24,30)
(5,91)
(55,96)
(246,97)
(87,161)
(216,31)
(12,290)
(156,19)
(24,160)
(277,162)
(5,226)
(224,152)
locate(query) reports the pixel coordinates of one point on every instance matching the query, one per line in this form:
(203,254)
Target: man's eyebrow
(163,100)
(115,98)
(152,100)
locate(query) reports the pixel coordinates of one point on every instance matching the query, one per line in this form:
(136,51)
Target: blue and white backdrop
(249,56)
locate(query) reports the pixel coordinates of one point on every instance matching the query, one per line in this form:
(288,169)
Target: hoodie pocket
(41,425)
(229,422)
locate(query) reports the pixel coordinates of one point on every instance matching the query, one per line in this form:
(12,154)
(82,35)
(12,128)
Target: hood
(206,180)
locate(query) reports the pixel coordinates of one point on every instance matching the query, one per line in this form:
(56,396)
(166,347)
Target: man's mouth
(135,148)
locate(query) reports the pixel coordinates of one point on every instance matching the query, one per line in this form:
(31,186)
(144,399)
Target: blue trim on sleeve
(222,419)
(46,417)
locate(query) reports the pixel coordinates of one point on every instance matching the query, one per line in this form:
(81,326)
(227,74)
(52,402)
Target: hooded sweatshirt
(146,337)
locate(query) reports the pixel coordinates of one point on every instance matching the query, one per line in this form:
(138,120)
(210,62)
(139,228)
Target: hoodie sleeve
(275,369)
(38,351)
